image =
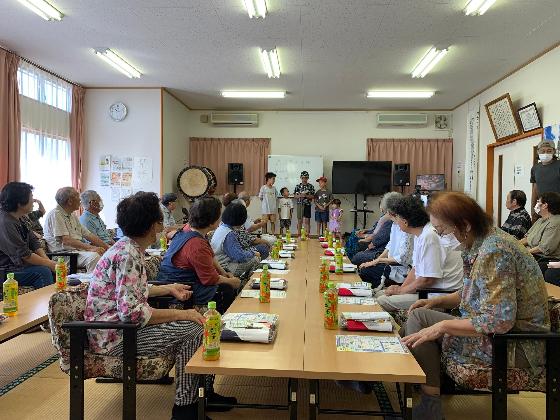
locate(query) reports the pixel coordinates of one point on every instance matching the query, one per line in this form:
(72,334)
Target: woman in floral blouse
(503,290)
(119,292)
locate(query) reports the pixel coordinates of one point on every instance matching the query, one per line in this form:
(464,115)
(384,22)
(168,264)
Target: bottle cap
(61,259)
(330,285)
(211,305)
(10,276)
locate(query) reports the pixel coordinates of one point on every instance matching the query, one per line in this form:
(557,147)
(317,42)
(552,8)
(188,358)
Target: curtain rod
(41,67)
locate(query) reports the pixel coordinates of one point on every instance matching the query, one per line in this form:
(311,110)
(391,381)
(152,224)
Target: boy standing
(285,210)
(269,197)
(304,193)
(323,199)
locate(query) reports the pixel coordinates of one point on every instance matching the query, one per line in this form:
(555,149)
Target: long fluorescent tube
(399,94)
(253,94)
(43,9)
(428,61)
(478,7)
(256,8)
(111,58)
(271,63)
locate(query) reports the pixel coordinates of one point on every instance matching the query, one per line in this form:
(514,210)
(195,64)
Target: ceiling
(331,51)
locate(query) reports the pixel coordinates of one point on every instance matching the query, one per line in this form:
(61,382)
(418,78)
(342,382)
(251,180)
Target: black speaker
(235,173)
(401,175)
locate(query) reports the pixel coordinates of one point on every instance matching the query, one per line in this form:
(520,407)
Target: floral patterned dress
(503,290)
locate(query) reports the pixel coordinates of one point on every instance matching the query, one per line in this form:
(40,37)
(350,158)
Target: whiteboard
(289,167)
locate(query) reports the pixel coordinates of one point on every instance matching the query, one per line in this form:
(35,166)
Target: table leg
(313,398)
(202,398)
(407,406)
(293,389)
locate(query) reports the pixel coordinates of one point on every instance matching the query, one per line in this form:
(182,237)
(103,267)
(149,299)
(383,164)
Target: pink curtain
(10,118)
(216,153)
(77,135)
(426,156)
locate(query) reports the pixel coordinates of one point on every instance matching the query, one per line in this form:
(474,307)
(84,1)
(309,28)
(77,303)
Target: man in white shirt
(64,231)
(436,262)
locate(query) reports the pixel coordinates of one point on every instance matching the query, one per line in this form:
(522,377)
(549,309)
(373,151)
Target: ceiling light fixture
(478,7)
(428,61)
(253,94)
(399,94)
(256,8)
(43,9)
(111,58)
(271,63)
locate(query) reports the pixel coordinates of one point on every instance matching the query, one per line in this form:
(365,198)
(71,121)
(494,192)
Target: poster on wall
(471,159)
(552,132)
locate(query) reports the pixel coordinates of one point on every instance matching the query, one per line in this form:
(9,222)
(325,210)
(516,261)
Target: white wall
(175,145)
(336,135)
(139,134)
(537,82)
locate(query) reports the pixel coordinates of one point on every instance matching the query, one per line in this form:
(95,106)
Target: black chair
(72,256)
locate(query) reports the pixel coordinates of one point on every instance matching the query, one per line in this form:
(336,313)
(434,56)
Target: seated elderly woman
(20,250)
(190,259)
(543,239)
(503,290)
(119,292)
(381,232)
(394,262)
(226,245)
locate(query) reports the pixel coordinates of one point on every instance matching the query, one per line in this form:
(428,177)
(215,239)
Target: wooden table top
(303,347)
(32,311)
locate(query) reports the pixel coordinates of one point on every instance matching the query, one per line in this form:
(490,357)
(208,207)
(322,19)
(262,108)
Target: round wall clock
(117,111)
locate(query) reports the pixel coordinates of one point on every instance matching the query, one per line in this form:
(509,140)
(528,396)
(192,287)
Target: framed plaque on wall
(503,119)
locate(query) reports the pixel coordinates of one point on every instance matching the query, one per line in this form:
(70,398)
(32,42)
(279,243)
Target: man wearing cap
(304,194)
(545,175)
(323,200)
(168,205)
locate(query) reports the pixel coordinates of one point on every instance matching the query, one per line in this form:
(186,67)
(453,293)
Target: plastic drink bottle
(338,268)
(212,333)
(61,274)
(163,242)
(330,238)
(10,290)
(324,279)
(264,295)
(288,236)
(303,234)
(331,307)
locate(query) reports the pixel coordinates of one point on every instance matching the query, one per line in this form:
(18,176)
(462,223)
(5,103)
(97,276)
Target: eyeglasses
(442,230)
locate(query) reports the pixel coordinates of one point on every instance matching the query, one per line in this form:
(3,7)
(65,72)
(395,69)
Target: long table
(304,349)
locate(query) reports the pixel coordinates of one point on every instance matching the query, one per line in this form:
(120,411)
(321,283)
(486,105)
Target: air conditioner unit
(408,119)
(234,119)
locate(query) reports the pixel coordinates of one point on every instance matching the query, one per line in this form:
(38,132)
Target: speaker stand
(364,210)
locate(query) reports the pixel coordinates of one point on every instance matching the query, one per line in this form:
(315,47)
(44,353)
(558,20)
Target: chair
(71,255)
(68,329)
(499,378)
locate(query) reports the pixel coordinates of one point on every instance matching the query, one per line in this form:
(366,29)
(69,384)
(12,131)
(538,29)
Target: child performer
(285,210)
(335,218)
(269,197)
(322,202)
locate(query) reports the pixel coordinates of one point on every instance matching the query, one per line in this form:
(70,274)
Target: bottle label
(264,296)
(10,298)
(211,339)
(331,310)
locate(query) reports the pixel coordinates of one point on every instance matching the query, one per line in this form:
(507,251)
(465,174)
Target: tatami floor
(44,394)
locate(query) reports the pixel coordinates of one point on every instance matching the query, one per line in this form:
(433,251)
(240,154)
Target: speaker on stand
(235,175)
(401,175)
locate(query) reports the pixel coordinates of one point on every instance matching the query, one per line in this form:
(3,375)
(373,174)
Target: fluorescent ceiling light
(111,58)
(428,61)
(478,7)
(271,63)
(255,8)
(43,9)
(253,94)
(399,94)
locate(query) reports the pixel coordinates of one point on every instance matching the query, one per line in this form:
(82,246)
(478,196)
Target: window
(45,132)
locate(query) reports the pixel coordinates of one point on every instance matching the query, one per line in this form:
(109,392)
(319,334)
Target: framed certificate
(503,119)
(529,117)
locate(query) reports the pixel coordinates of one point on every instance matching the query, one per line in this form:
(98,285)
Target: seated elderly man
(90,219)
(168,205)
(253,225)
(64,231)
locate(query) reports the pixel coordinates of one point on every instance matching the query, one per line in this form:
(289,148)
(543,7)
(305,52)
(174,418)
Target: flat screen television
(434,182)
(359,177)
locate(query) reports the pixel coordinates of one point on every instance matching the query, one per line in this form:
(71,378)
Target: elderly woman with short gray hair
(381,232)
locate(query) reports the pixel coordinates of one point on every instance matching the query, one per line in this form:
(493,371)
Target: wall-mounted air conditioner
(403,119)
(234,119)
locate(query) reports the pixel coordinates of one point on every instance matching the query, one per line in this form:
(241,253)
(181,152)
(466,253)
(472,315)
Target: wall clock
(118,111)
